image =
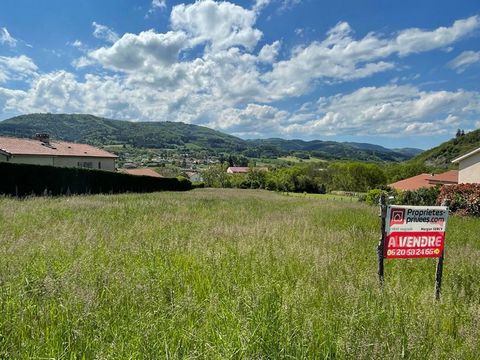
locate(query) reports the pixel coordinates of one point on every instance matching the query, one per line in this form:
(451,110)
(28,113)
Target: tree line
(318,177)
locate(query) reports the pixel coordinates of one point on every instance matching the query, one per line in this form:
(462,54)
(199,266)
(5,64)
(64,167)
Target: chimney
(43,137)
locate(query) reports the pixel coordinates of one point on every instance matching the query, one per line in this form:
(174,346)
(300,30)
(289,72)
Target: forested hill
(443,154)
(100,131)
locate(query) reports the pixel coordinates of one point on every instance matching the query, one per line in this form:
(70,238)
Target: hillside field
(217,274)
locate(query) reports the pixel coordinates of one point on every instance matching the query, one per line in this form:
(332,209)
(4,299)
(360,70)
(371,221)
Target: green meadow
(225,274)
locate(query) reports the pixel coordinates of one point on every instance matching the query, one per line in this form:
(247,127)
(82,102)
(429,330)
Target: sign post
(415,232)
(438,276)
(381,243)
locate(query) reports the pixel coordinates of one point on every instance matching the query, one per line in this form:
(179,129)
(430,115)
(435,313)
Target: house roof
(412,183)
(426,181)
(446,177)
(238,169)
(244,169)
(460,158)
(142,172)
(16,146)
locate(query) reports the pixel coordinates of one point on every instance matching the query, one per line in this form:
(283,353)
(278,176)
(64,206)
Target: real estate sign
(415,231)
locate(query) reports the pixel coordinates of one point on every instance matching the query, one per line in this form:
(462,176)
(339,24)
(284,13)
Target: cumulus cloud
(269,52)
(464,60)
(222,24)
(340,57)
(16,68)
(252,120)
(389,110)
(136,52)
(6,38)
(103,32)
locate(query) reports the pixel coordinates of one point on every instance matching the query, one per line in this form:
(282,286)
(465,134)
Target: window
(85,164)
(99,164)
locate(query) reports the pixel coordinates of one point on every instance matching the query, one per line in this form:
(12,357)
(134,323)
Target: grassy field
(215,274)
(295,159)
(322,197)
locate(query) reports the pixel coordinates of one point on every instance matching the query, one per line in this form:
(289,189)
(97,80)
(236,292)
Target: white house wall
(31,160)
(63,161)
(87,162)
(469,170)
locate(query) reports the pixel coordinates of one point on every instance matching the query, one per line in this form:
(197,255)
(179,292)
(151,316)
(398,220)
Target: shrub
(373,196)
(463,199)
(23,180)
(420,197)
(198,184)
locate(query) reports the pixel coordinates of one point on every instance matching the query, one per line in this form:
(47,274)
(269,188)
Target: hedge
(463,199)
(24,180)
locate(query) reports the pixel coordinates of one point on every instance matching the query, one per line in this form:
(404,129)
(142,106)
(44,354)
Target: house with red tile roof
(142,172)
(238,170)
(40,150)
(243,169)
(426,181)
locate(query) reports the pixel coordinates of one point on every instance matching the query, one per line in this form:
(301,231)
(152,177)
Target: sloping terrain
(443,154)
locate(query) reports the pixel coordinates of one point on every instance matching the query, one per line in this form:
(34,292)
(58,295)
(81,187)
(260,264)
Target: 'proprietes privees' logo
(397,216)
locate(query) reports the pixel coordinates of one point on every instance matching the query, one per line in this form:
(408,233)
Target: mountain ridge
(102,131)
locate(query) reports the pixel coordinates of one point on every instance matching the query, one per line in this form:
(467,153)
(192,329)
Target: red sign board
(415,231)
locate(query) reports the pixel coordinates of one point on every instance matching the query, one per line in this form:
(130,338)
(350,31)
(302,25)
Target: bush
(24,180)
(420,197)
(463,199)
(373,196)
(198,184)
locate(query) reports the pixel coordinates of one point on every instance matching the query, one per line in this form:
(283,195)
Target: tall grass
(214,274)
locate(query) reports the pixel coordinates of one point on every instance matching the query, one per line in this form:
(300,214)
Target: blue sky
(394,73)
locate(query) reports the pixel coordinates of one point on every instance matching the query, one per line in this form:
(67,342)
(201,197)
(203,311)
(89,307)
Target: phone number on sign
(412,252)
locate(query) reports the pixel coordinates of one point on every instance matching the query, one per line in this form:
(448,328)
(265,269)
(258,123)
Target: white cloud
(156,5)
(252,120)
(288,4)
(269,52)
(260,5)
(6,38)
(104,33)
(340,57)
(77,44)
(464,60)
(82,62)
(284,5)
(139,52)
(159,4)
(417,40)
(389,110)
(16,68)
(222,24)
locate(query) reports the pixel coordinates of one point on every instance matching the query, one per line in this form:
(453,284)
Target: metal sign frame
(381,248)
